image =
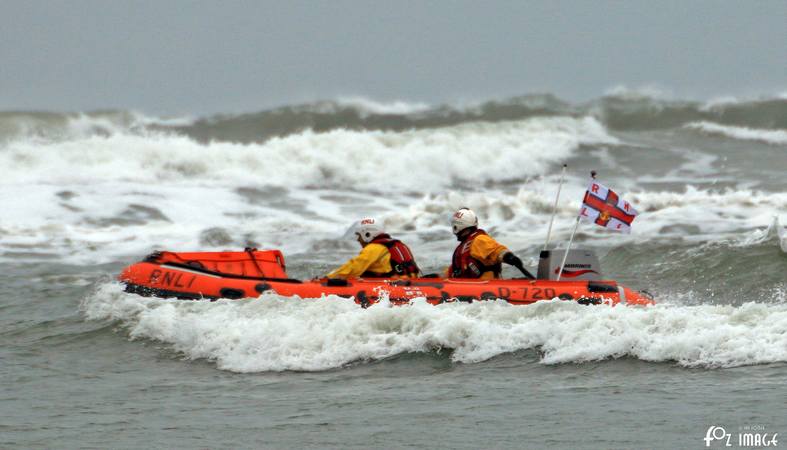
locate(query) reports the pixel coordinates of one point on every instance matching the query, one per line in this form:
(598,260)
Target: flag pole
(554,208)
(571,239)
(565,256)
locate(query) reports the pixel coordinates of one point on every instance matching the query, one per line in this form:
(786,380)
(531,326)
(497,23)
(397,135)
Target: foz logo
(750,436)
(715,433)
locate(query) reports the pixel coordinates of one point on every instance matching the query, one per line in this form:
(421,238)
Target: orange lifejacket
(463,265)
(402,259)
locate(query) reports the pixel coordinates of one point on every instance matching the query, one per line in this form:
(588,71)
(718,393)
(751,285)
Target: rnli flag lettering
(604,207)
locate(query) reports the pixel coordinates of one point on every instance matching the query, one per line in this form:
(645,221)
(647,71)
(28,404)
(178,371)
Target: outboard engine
(580,265)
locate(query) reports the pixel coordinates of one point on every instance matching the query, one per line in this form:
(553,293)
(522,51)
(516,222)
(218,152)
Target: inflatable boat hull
(254,274)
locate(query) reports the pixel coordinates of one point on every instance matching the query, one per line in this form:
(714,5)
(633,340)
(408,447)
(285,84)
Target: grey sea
(85,365)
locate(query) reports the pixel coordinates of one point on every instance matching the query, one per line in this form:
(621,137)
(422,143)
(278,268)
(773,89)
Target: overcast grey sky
(200,57)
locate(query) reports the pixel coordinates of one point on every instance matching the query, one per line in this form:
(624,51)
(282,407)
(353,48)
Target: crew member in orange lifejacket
(381,256)
(478,255)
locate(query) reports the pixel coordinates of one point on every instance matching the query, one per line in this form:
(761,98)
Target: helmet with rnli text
(367,229)
(463,218)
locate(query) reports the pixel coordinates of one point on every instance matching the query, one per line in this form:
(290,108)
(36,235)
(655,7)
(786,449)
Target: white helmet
(463,218)
(367,229)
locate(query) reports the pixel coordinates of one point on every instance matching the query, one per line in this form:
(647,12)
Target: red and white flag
(604,207)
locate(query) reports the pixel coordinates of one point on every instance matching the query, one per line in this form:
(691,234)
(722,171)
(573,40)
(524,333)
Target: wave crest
(775,137)
(275,333)
(620,109)
(411,160)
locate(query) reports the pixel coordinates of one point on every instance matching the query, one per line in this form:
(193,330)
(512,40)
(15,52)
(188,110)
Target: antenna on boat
(554,208)
(571,239)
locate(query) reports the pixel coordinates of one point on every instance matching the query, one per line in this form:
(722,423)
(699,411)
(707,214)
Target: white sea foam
(716,214)
(648,91)
(275,333)
(399,107)
(41,128)
(522,218)
(420,159)
(717,103)
(723,101)
(75,196)
(85,198)
(109,220)
(775,137)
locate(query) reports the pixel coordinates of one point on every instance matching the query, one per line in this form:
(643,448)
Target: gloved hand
(512,259)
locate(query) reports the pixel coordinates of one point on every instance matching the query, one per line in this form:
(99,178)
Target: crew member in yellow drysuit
(380,257)
(478,255)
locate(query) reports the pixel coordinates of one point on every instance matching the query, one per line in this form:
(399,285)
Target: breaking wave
(117,219)
(775,137)
(51,126)
(276,333)
(415,159)
(621,109)
(629,112)
(711,212)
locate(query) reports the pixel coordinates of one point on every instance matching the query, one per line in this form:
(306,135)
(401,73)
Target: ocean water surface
(85,365)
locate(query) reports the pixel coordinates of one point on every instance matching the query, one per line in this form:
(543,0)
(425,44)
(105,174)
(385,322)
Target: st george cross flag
(604,207)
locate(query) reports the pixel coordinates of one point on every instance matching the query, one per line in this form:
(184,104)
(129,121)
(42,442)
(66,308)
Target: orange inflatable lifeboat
(252,273)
